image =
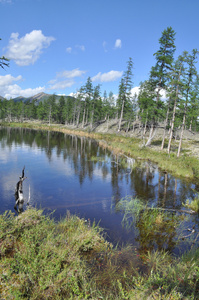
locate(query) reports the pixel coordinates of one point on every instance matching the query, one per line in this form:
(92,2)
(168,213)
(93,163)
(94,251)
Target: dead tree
(19,198)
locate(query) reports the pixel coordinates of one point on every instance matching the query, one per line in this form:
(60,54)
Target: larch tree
(160,73)
(146,104)
(176,87)
(95,105)
(88,92)
(124,97)
(193,110)
(188,82)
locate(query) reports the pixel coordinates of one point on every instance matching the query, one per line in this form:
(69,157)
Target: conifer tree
(188,83)
(146,104)
(88,92)
(124,97)
(160,74)
(176,87)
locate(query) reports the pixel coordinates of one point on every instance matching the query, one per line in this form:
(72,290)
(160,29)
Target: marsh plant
(193,204)
(70,259)
(156,227)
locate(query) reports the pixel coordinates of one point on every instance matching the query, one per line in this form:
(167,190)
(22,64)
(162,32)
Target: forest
(176,77)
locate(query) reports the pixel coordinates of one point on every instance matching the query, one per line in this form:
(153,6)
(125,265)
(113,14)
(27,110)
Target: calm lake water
(72,173)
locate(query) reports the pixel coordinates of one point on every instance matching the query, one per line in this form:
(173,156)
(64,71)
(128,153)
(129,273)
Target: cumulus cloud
(107,77)
(9,89)
(15,91)
(118,43)
(27,49)
(135,90)
(65,79)
(8,80)
(163,95)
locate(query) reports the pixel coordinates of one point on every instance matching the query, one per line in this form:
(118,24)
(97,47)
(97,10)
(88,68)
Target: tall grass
(193,204)
(69,259)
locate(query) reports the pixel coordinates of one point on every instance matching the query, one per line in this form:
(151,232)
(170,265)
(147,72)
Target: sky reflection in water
(74,173)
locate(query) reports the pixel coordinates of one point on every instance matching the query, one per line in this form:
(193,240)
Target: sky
(55,45)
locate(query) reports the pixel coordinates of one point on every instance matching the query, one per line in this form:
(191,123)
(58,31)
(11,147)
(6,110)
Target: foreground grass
(42,259)
(186,166)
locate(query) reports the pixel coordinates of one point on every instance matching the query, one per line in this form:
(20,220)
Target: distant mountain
(38,97)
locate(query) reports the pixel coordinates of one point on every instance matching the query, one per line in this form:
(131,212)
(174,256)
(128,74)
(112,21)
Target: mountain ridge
(38,97)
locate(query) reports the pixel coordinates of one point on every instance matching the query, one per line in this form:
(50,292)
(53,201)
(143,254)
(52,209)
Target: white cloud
(71,74)
(15,91)
(118,43)
(8,80)
(65,79)
(163,95)
(9,89)
(69,50)
(135,90)
(27,49)
(107,77)
(61,85)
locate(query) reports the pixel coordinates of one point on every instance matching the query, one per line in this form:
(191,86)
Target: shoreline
(186,166)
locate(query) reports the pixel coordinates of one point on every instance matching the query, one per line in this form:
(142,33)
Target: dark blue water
(73,173)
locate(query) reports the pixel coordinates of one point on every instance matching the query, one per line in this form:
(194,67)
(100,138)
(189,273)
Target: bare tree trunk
(190,126)
(92,114)
(182,130)
(172,125)
(145,124)
(165,125)
(78,116)
(107,122)
(84,115)
(174,112)
(151,135)
(87,116)
(121,116)
(49,117)
(127,129)
(74,113)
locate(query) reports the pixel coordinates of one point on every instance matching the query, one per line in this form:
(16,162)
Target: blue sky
(55,45)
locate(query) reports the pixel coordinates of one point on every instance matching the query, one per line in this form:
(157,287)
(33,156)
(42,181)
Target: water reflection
(70,172)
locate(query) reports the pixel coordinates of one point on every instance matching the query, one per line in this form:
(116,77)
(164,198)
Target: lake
(66,172)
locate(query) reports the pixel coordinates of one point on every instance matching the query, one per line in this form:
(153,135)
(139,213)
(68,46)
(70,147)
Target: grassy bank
(42,259)
(186,165)
(70,259)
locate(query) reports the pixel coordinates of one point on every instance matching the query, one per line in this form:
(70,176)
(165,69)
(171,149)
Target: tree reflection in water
(71,172)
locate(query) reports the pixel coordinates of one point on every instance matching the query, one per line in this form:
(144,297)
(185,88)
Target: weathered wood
(19,197)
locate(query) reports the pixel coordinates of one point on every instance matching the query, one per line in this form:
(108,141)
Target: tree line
(177,77)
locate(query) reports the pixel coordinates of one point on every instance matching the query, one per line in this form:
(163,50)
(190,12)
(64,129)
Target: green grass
(185,166)
(69,259)
(193,204)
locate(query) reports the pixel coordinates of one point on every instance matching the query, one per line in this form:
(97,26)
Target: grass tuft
(69,259)
(193,204)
